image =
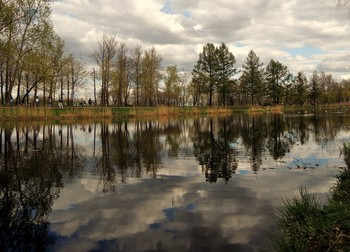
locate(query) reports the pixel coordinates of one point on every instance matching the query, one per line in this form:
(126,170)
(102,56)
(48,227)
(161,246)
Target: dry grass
(163,111)
(22,113)
(277,109)
(44,113)
(77,113)
(81,113)
(219,110)
(261,109)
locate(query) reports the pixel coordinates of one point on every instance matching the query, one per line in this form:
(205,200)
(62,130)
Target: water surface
(208,184)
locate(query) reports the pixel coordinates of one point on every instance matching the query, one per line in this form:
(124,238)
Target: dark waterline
(209,184)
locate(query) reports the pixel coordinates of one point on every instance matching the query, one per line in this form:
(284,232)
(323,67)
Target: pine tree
(213,72)
(276,76)
(300,88)
(205,71)
(226,70)
(252,79)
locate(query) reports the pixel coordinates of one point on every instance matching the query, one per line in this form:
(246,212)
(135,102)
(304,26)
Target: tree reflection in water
(31,172)
(217,158)
(214,141)
(36,162)
(124,154)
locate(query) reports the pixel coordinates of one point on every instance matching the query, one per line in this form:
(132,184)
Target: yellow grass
(260,109)
(162,111)
(42,113)
(22,113)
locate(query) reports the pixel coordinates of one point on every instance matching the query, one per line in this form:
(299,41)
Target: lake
(197,184)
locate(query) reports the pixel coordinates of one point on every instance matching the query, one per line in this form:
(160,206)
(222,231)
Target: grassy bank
(21,113)
(43,113)
(306,225)
(79,113)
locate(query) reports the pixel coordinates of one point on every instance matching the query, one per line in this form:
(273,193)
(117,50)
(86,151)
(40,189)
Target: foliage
(33,62)
(305,225)
(213,82)
(277,75)
(204,73)
(150,76)
(226,70)
(252,79)
(172,86)
(300,88)
(213,72)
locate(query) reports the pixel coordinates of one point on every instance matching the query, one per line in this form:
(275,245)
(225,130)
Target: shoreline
(41,113)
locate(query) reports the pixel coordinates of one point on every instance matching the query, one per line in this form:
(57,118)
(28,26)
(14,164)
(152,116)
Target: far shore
(41,113)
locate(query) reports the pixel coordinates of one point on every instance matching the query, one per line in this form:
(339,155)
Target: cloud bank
(304,35)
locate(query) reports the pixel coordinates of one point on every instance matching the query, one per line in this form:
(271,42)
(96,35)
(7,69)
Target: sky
(303,35)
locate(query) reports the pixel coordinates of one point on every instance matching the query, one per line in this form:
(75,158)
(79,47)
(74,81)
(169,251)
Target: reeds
(261,109)
(44,113)
(20,113)
(165,111)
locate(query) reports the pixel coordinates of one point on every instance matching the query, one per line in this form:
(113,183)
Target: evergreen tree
(276,76)
(252,79)
(300,88)
(205,71)
(226,70)
(213,72)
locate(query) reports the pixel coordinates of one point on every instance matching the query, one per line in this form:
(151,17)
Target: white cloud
(179,29)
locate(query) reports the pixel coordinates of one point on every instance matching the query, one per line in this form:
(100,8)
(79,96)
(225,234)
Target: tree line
(34,64)
(216,80)
(135,77)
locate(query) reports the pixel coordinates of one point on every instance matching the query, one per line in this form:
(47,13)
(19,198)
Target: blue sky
(167,8)
(305,51)
(303,35)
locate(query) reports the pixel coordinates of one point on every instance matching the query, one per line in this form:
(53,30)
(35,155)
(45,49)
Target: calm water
(209,184)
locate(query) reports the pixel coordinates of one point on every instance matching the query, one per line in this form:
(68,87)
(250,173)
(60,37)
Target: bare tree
(104,57)
(122,74)
(136,56)
(76,73)
(184,81)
